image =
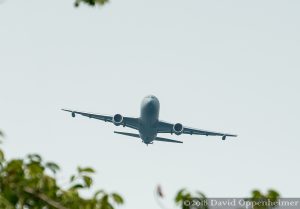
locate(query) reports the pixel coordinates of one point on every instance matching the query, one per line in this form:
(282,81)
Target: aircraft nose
(150,103)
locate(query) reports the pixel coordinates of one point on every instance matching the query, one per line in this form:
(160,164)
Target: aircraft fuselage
(149,119)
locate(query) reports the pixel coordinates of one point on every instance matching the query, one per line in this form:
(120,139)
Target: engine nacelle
(117,119)
(178,128)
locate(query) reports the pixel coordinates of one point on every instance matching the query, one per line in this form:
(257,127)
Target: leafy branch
(91,2)
(31,183)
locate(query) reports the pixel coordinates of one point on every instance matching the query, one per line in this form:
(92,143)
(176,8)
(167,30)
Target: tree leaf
(117,198)
(85,170)
(90,2)
(179,195)
(72,178)
(77,186)
(2,158)
(34,157)
(1,133)
(97,193)
(201,195)
(52,166)
(87,180)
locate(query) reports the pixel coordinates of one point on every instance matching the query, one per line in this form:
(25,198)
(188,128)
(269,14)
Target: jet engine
(117,119)
(178,128)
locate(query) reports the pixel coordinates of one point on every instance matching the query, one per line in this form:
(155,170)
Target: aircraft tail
(127,134)
(167,140)
(156,139)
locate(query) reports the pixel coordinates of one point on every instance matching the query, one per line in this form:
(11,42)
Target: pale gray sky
(228,66)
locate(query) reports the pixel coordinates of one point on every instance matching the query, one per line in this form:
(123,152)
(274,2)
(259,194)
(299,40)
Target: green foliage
(90,2)
(259,200)
(264,199)
(30,183)
(185,199)
(117,198)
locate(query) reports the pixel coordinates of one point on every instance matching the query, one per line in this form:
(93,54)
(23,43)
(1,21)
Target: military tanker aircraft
(148,124)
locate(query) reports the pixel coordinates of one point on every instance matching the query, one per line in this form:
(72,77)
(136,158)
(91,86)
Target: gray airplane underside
(148,124)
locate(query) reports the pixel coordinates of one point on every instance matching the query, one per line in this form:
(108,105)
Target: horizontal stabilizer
(127,134)
(167,140)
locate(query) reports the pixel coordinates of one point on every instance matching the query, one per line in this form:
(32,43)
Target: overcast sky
(229,66)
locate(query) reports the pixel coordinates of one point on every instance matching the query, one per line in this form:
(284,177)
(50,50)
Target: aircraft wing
(127,121)
(165,127)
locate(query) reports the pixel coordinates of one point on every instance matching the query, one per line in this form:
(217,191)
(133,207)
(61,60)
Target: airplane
(148,124)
